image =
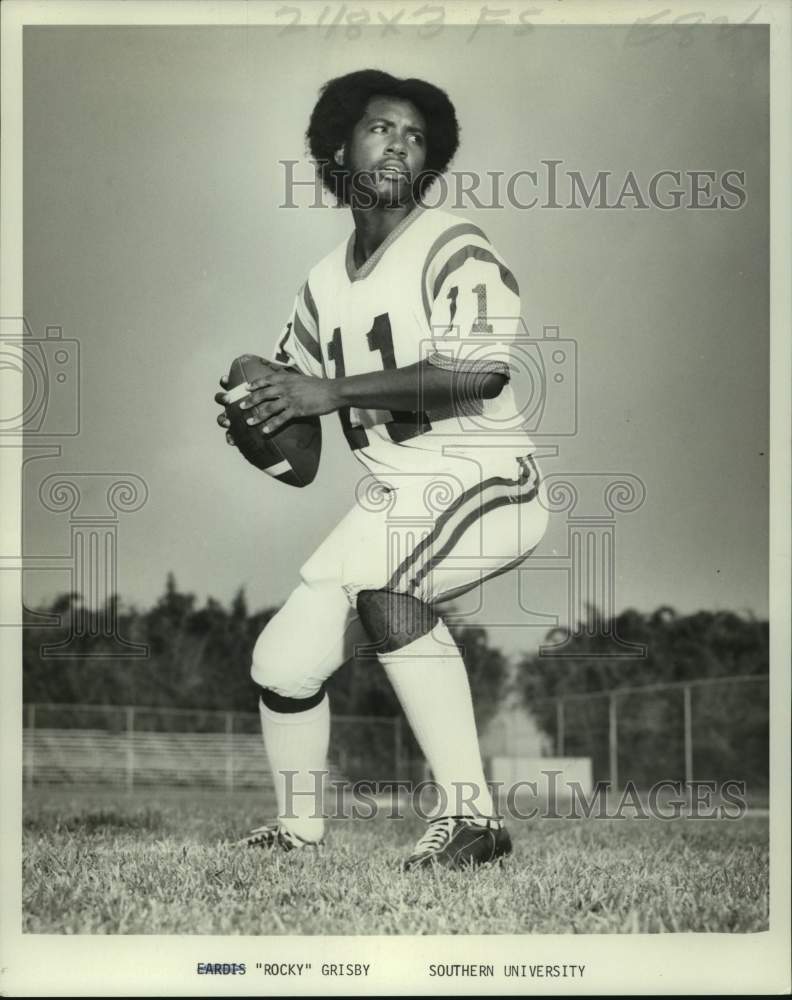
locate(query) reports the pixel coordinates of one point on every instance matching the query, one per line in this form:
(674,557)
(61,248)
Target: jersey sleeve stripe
(310,305)
(306,340)
(477,253)
(453,233)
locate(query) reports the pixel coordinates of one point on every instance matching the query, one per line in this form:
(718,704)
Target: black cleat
(276,837)
(460,842)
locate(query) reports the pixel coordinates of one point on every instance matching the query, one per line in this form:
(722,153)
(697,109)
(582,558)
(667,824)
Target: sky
(153,237)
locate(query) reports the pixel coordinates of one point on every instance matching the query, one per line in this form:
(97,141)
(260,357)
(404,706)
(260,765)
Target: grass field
(158,862)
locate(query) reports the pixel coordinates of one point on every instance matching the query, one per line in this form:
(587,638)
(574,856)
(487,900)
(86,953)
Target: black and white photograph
(394,418)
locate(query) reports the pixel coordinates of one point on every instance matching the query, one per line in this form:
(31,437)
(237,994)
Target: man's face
(386,152)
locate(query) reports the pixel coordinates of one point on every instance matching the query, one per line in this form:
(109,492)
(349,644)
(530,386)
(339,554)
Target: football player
(391,331)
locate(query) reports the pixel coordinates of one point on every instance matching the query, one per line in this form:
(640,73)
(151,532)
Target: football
(291,454)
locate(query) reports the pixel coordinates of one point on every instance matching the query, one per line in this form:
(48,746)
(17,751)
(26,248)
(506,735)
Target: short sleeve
(298,342)
(475,306)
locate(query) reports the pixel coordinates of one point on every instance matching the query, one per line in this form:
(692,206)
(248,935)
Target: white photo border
(53,965)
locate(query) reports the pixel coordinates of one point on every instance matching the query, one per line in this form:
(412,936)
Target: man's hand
(222,418)
(280,396)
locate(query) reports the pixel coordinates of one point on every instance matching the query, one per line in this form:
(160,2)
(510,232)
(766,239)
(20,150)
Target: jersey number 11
(404,423)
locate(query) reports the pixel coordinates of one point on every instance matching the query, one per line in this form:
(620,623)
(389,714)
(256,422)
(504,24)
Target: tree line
(198,657)
(728,720)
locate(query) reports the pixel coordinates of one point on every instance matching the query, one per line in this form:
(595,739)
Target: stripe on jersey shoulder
(306,339)
(471,252)
(452,233)
(310,305)
(305,323)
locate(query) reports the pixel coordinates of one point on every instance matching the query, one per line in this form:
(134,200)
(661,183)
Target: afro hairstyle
(342,103)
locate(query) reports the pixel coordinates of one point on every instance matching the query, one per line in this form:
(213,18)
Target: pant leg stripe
(445,517)
(461,528)
(452,516)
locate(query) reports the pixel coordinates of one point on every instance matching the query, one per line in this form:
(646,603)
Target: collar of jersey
(357,274)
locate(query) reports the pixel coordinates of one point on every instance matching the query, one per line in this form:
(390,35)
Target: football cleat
(276,837)
(460,842)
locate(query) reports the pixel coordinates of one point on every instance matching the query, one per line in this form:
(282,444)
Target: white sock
(431,683)
(297,742)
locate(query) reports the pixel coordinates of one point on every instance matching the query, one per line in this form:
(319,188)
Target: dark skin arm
(281,396)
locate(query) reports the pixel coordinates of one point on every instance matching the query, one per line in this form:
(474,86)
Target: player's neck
(374,225)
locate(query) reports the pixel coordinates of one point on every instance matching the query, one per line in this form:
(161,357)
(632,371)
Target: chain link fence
(713,729)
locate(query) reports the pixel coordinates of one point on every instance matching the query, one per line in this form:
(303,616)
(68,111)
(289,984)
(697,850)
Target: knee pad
(394,620)
(304,643)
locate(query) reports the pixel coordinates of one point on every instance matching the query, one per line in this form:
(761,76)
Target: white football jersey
(434,290)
